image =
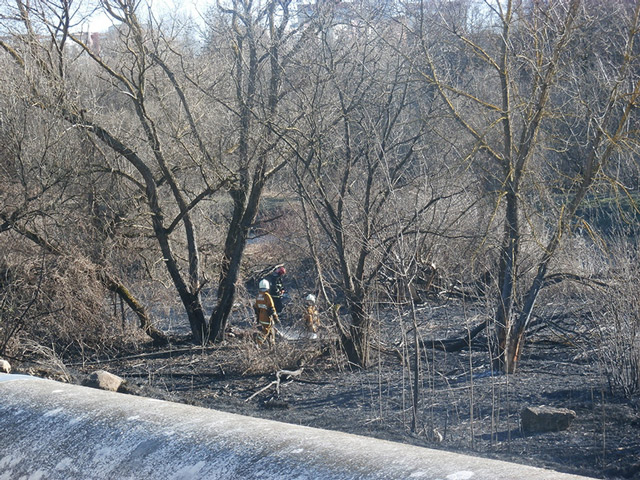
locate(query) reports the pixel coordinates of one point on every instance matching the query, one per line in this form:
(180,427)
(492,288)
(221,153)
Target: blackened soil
(461,404)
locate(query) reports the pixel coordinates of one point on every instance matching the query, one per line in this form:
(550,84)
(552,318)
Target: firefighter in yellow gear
(310,313)
(266,313)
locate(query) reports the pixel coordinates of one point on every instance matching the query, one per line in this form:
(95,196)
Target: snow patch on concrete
(189,472)
(461,476)
(37,475)
(74,421)
(419,475)
(5,377)
(53,412)
(66,462)
(10,461)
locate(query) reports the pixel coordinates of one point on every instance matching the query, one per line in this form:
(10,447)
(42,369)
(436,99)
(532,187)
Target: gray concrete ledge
(51,430)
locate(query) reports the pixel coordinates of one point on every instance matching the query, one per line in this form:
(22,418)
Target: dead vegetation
(462,404)
(427,243)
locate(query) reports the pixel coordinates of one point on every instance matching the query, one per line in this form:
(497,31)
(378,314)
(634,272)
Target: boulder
(545,419)
(104,381)
(5,367)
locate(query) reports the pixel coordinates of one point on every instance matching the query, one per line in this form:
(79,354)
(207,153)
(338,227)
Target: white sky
(100,22)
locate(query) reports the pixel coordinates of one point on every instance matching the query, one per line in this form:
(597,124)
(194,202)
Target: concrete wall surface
(51,430)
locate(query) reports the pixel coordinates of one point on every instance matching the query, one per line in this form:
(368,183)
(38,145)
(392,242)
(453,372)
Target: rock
(104,381)
(5,367)
(546,419)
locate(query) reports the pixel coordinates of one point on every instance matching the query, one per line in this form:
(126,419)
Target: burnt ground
(462,407)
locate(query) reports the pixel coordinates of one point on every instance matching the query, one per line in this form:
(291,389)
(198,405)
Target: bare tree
(362,168)
(44,194)
(157,112)
(524,56)
(51,72)
(261,49)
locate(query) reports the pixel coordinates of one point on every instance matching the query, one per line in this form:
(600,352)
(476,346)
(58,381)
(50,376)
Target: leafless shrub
(618,322)
(47,362)
(54,301)
(263,359)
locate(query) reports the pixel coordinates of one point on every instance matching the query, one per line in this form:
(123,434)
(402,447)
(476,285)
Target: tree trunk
(361,345)
(159,337)
(355,339)
(508,276)
(227,287)
(243,219)
(230,271)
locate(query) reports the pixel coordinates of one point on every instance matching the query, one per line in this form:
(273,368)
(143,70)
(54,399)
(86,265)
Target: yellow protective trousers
(265,310)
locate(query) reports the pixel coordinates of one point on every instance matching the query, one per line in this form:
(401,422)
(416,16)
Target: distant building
(92,40)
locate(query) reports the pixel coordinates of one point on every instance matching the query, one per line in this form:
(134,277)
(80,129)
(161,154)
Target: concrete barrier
(51,430)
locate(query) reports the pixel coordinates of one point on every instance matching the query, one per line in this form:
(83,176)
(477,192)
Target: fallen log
(454,344)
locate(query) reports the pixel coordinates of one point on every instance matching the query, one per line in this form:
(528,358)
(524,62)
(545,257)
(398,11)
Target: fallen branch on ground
(163,353)
(279,374)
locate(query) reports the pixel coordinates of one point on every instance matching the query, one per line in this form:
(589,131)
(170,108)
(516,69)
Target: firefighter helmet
(281,271)
(263,286)
(310,299)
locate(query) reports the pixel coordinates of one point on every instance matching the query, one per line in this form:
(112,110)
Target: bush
(53,301)
(618,322)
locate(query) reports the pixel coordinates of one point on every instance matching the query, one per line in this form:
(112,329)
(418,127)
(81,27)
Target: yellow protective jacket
(265,309)
(310,317)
